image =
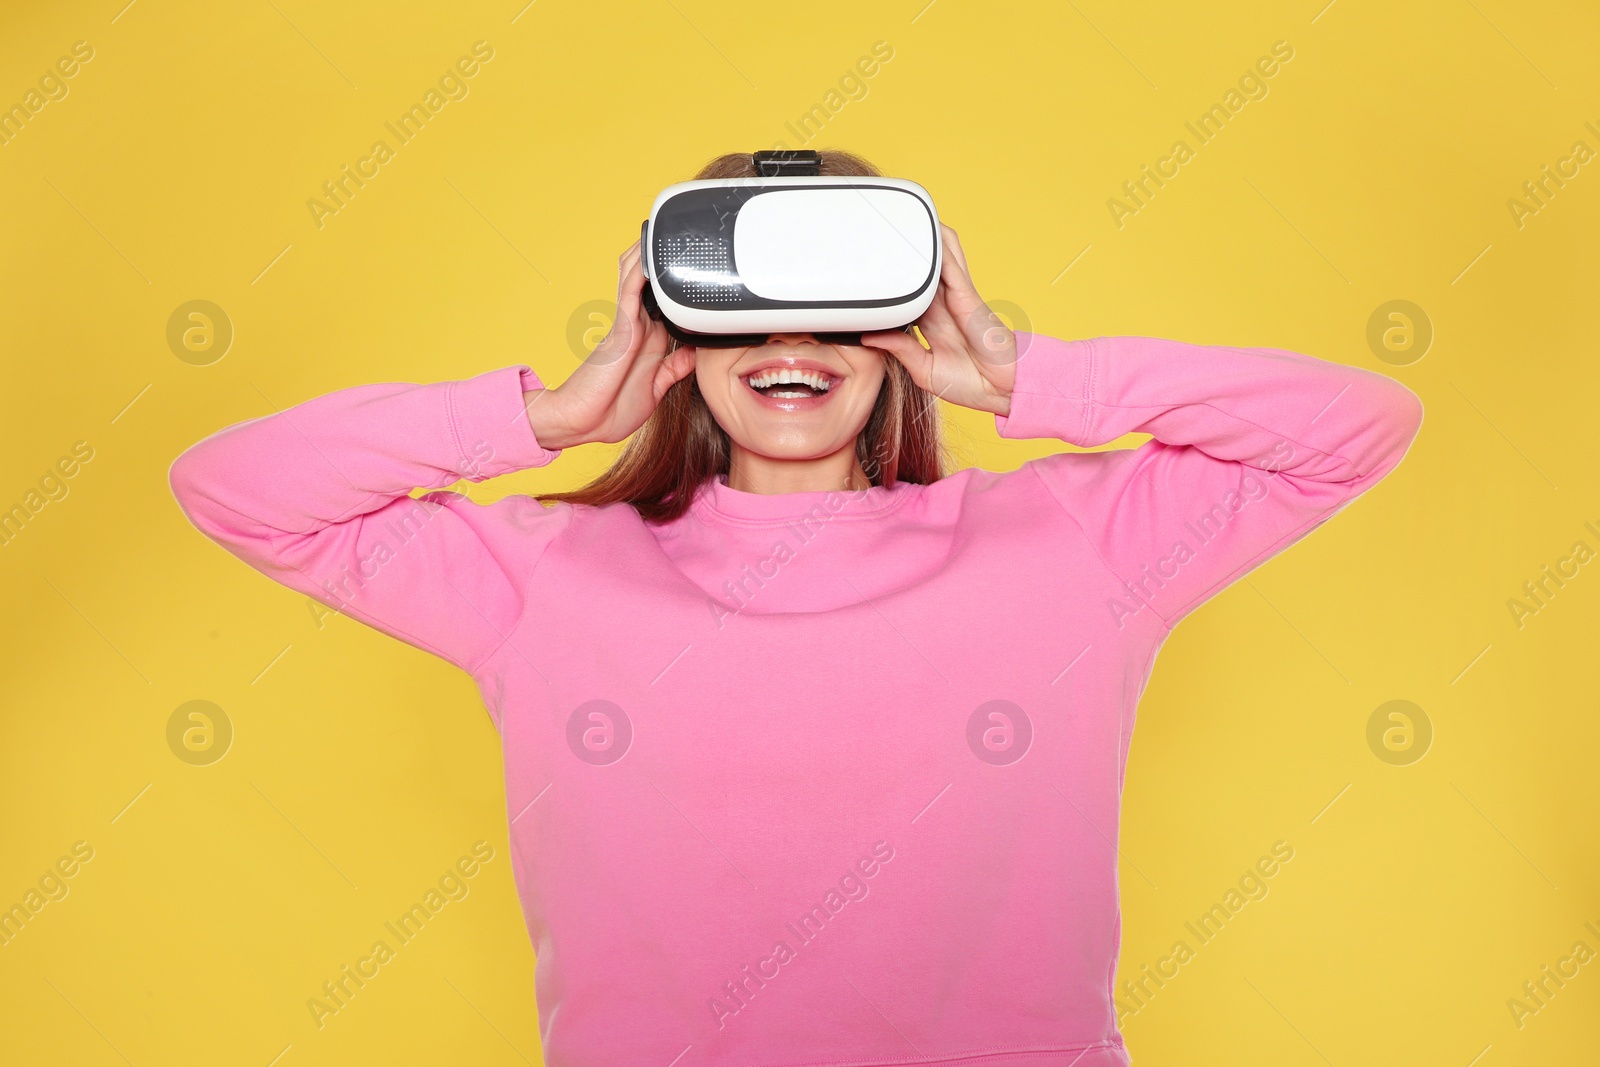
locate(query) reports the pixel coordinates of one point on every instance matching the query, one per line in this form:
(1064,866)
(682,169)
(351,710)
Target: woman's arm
(1253,449)
(318,498)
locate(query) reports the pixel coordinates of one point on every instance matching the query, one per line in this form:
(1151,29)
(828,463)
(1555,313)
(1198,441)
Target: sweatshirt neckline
(716,500)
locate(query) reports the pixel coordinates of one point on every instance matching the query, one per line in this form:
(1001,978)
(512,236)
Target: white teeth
(786,375)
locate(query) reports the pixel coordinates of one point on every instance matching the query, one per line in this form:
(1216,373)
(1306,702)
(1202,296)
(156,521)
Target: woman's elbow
(1404,412)
(198,480)
(1394,418)
(188,476)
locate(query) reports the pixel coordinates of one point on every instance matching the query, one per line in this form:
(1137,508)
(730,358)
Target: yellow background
(1378,167)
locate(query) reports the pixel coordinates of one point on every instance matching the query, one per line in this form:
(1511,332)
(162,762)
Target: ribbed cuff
(1054,391)
(490,424)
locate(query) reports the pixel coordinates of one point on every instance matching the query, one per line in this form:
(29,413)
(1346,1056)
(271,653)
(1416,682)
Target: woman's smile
(791,383)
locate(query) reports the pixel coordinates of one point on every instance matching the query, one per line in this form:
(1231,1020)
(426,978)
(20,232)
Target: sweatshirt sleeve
(1252,449)
(317,497)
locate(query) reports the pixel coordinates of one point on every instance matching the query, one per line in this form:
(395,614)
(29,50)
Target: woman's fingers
(596,387)
(986,335)
(630,286)
(968,345)
(627,328)
(656,339)
(918,361)
(678,365)
(896,342)
(953,249)
(622,381)
(648,373)
(941,327)
(953,271)
(630,272)
(966,306)
(961,295)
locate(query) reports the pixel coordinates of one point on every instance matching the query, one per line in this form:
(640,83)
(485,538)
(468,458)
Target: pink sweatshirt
(823,778)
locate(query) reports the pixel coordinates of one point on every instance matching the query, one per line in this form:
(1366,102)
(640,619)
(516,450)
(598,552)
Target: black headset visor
(734,340)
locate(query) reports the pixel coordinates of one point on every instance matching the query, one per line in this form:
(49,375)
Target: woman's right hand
(615,389)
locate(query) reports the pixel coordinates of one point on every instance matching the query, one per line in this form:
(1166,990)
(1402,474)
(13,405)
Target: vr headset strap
(783,163)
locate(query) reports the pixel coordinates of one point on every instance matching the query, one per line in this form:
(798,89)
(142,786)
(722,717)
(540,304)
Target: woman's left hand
(973,361)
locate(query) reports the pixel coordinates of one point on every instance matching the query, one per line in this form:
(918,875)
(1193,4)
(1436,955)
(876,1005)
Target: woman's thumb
(906,348)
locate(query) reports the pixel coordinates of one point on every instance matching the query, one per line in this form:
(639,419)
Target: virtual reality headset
(729,261)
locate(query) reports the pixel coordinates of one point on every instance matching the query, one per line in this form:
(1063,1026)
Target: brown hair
(681,445)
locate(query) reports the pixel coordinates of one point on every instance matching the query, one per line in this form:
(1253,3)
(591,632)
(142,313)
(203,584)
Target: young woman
(813,751)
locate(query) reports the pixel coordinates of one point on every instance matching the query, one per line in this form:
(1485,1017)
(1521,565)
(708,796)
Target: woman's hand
(973,359)
(616,388)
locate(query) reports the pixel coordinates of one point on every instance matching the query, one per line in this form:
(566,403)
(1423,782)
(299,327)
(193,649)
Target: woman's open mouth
(791,388)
